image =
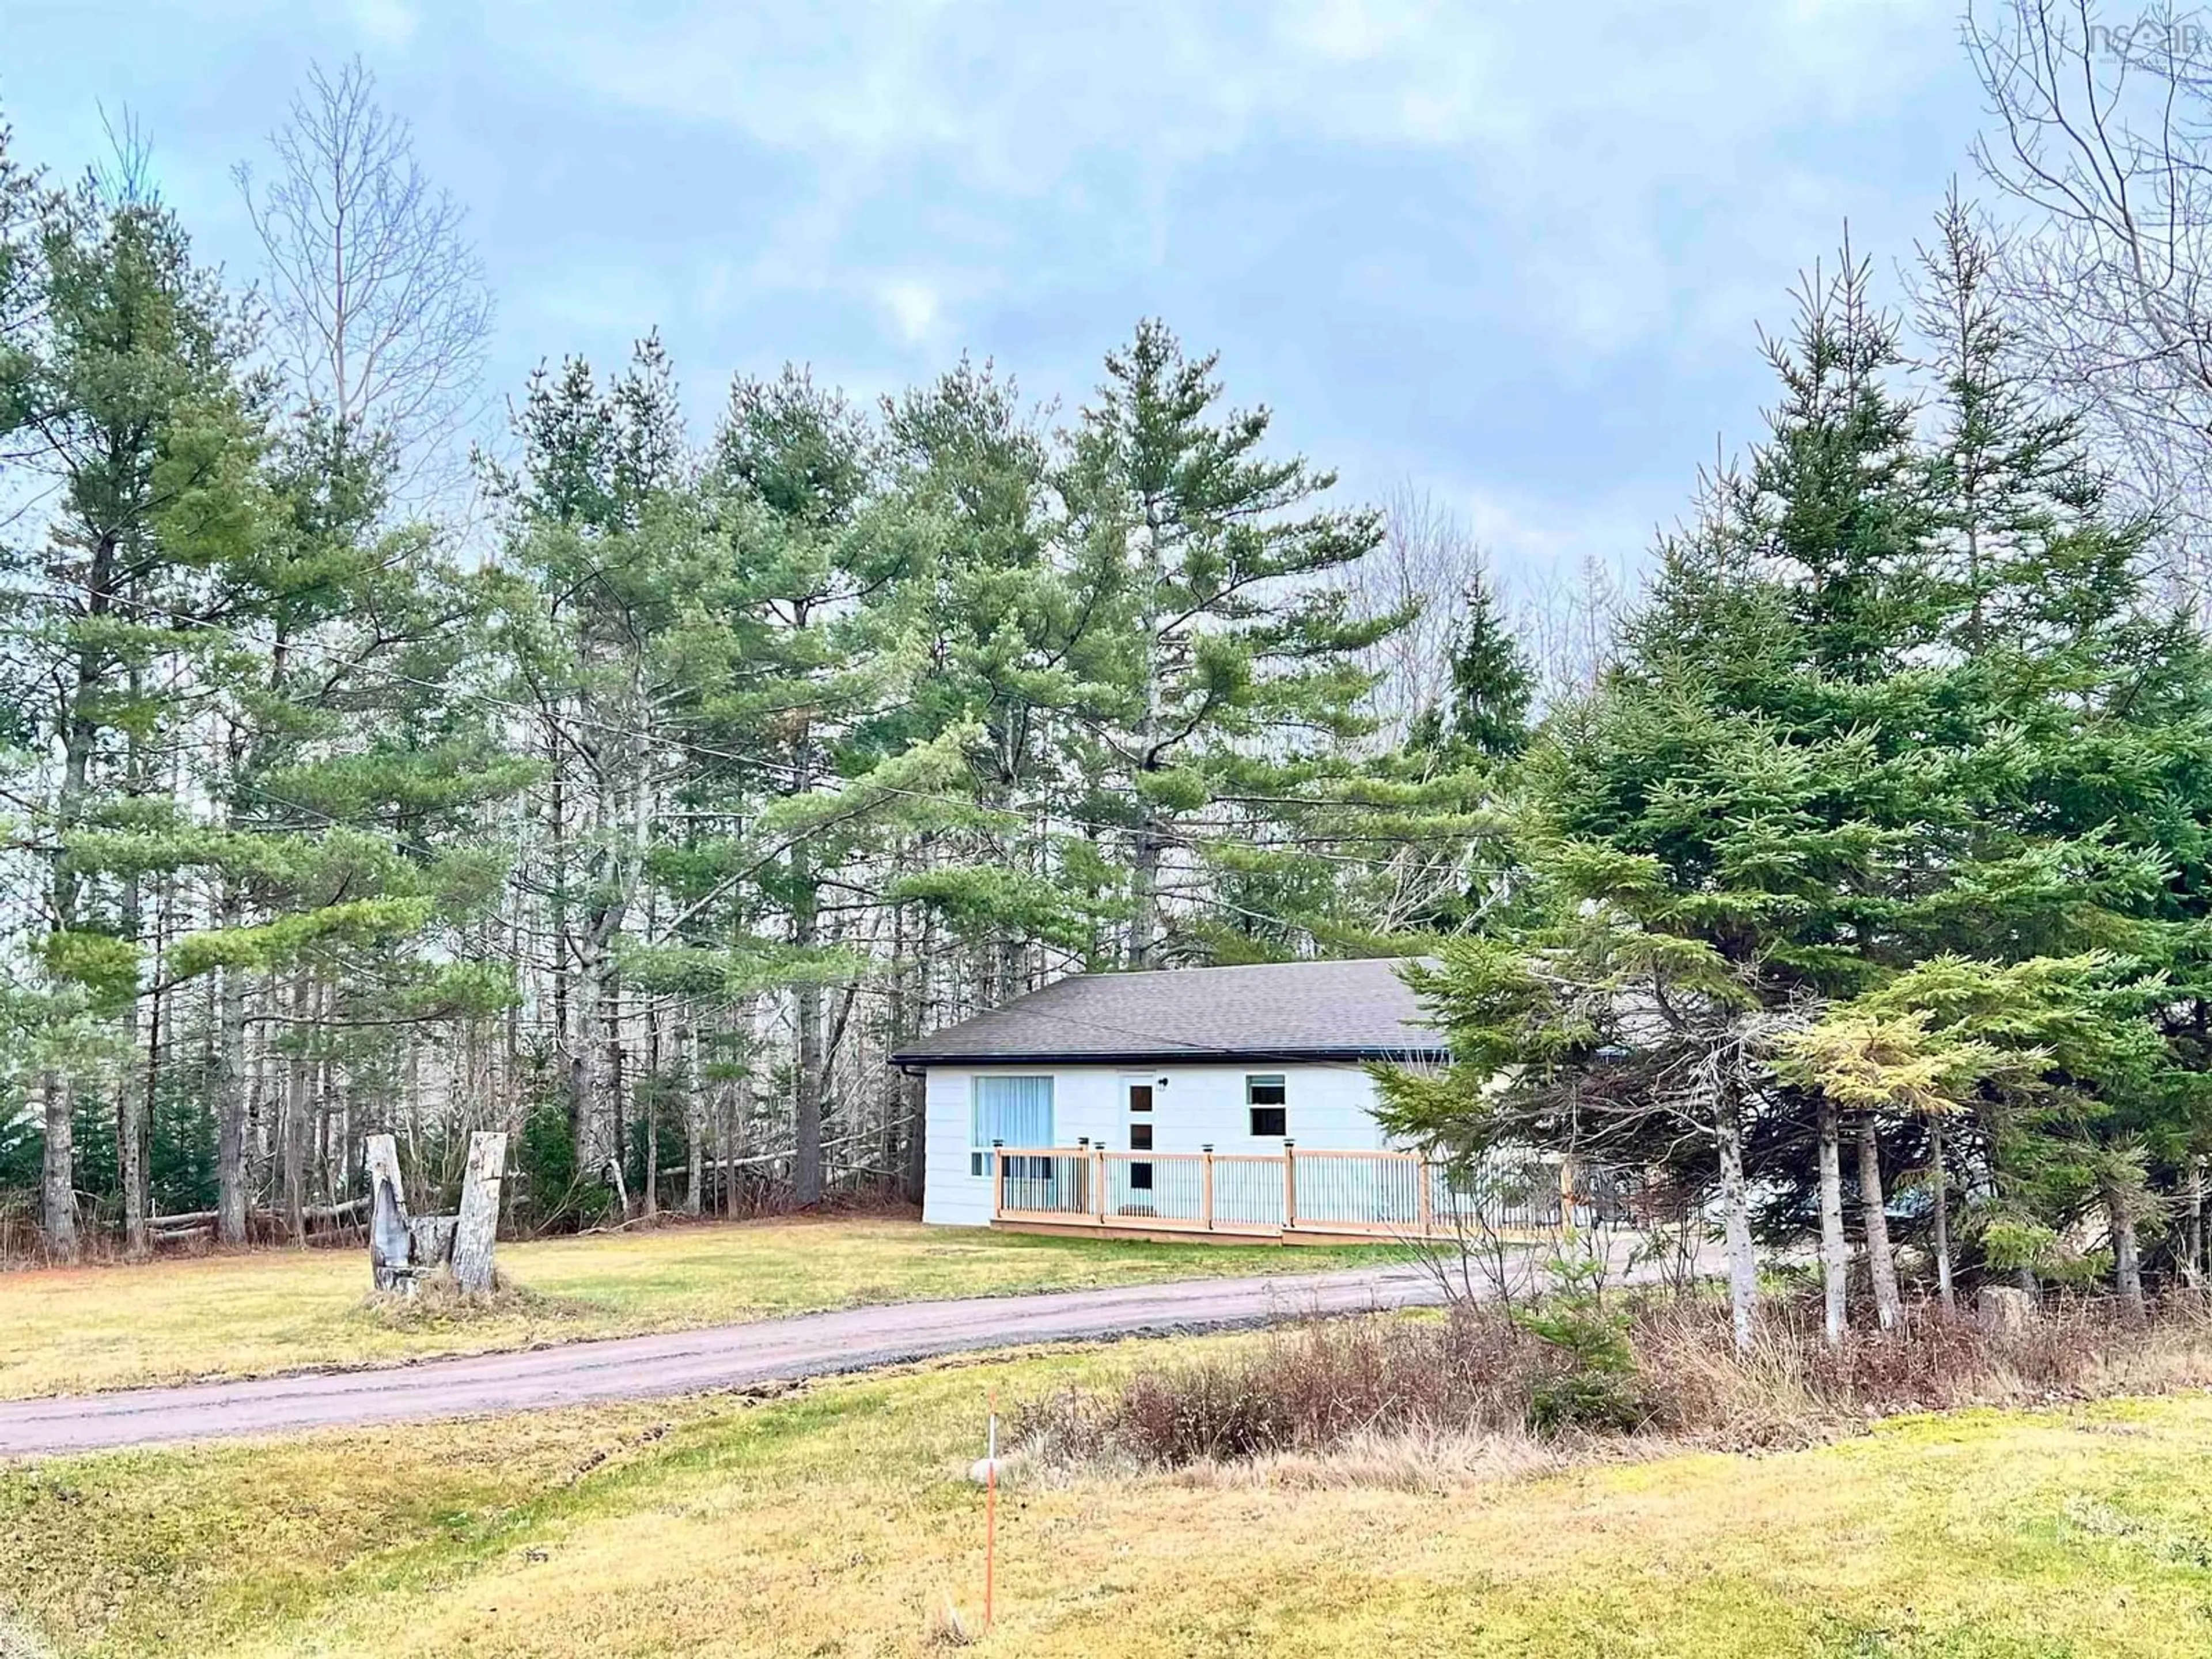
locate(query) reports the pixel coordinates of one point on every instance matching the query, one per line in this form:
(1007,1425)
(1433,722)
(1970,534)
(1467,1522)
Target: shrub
(1594,1387)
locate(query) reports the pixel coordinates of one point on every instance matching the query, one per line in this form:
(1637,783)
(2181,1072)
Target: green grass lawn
(63,1330)
(831,1522)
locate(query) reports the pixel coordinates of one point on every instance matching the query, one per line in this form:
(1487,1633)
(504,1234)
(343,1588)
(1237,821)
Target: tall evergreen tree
(1230,654)
(124,396)
(1491,689)
(1716,828)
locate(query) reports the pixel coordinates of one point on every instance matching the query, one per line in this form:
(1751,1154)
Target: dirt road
(683,1362)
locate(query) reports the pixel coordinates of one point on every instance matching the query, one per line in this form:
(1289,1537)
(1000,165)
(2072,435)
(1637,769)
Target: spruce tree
(1712,831)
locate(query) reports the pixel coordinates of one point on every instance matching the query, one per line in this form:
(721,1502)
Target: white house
(1233,1100)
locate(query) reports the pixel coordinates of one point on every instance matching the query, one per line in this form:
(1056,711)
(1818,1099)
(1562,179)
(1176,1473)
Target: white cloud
(389,24)
(914,307)
(1580,128)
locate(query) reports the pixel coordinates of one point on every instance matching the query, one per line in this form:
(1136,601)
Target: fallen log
(208,1217)
(189,1218)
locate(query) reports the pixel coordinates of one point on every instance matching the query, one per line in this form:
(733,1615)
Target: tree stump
(2002,1310)
(432,1237)
(391,1234)
(477,1228)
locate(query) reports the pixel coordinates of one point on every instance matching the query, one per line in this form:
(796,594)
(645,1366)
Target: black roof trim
(1163,1056)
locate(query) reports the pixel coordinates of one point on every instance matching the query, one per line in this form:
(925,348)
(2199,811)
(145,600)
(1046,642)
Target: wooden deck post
(1290,1183)
(998,1179)
(1098,1194)
(1428,1221)
(1205,1189)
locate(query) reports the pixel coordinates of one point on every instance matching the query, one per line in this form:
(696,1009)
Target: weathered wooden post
(1205,1189)
(477,1230)
(1290,1183)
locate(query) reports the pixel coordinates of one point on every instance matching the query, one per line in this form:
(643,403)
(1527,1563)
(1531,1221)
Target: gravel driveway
(683,1362)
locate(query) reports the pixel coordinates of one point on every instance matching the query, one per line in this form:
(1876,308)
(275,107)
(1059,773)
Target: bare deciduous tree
(2101,138)
(1564,624)
(380,311)
(1427,555)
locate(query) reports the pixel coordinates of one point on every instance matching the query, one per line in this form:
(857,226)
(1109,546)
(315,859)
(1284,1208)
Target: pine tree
(122,394)
(1231,659)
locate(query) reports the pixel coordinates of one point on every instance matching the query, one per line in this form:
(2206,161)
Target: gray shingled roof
(1278,1010)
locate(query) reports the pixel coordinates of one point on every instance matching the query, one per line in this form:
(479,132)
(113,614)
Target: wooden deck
(1294,1197)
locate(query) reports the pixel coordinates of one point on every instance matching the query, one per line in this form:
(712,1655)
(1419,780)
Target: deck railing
(1384,1193)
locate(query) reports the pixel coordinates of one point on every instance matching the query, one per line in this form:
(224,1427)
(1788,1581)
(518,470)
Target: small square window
(1141,1177)
(1141,1097)
(1269,1121)
(1141,1137)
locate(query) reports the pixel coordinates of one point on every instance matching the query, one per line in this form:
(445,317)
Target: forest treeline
(634,788)
(638,788)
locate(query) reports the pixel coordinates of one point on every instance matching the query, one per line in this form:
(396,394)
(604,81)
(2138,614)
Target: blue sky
(1514,254)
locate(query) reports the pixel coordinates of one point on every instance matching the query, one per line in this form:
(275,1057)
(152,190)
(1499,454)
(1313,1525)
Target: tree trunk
(806,998)
(695,1123)
(649,1087)
(1144,848)
(58,1207)
(621,1079)
(1939,1179)
(916,1177)
(2127,1261)
(297,1069)
(477,1228)
(135,1088)
(390,1232)
(1735,1221)
(1835,1256)
(586,1123)
(230,1096)
(1874,1214)
(917,1133)
(1144,883)
(2192,1232)
(134,1105)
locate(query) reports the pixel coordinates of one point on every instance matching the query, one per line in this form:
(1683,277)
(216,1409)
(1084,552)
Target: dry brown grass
(438,1303)
(1792,1389)
(1419,1403)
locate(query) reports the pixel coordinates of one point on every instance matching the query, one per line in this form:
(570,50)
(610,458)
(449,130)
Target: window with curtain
(1014,1111)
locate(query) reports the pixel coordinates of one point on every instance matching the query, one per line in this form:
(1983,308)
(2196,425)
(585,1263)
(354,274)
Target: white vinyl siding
(1331,1107)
